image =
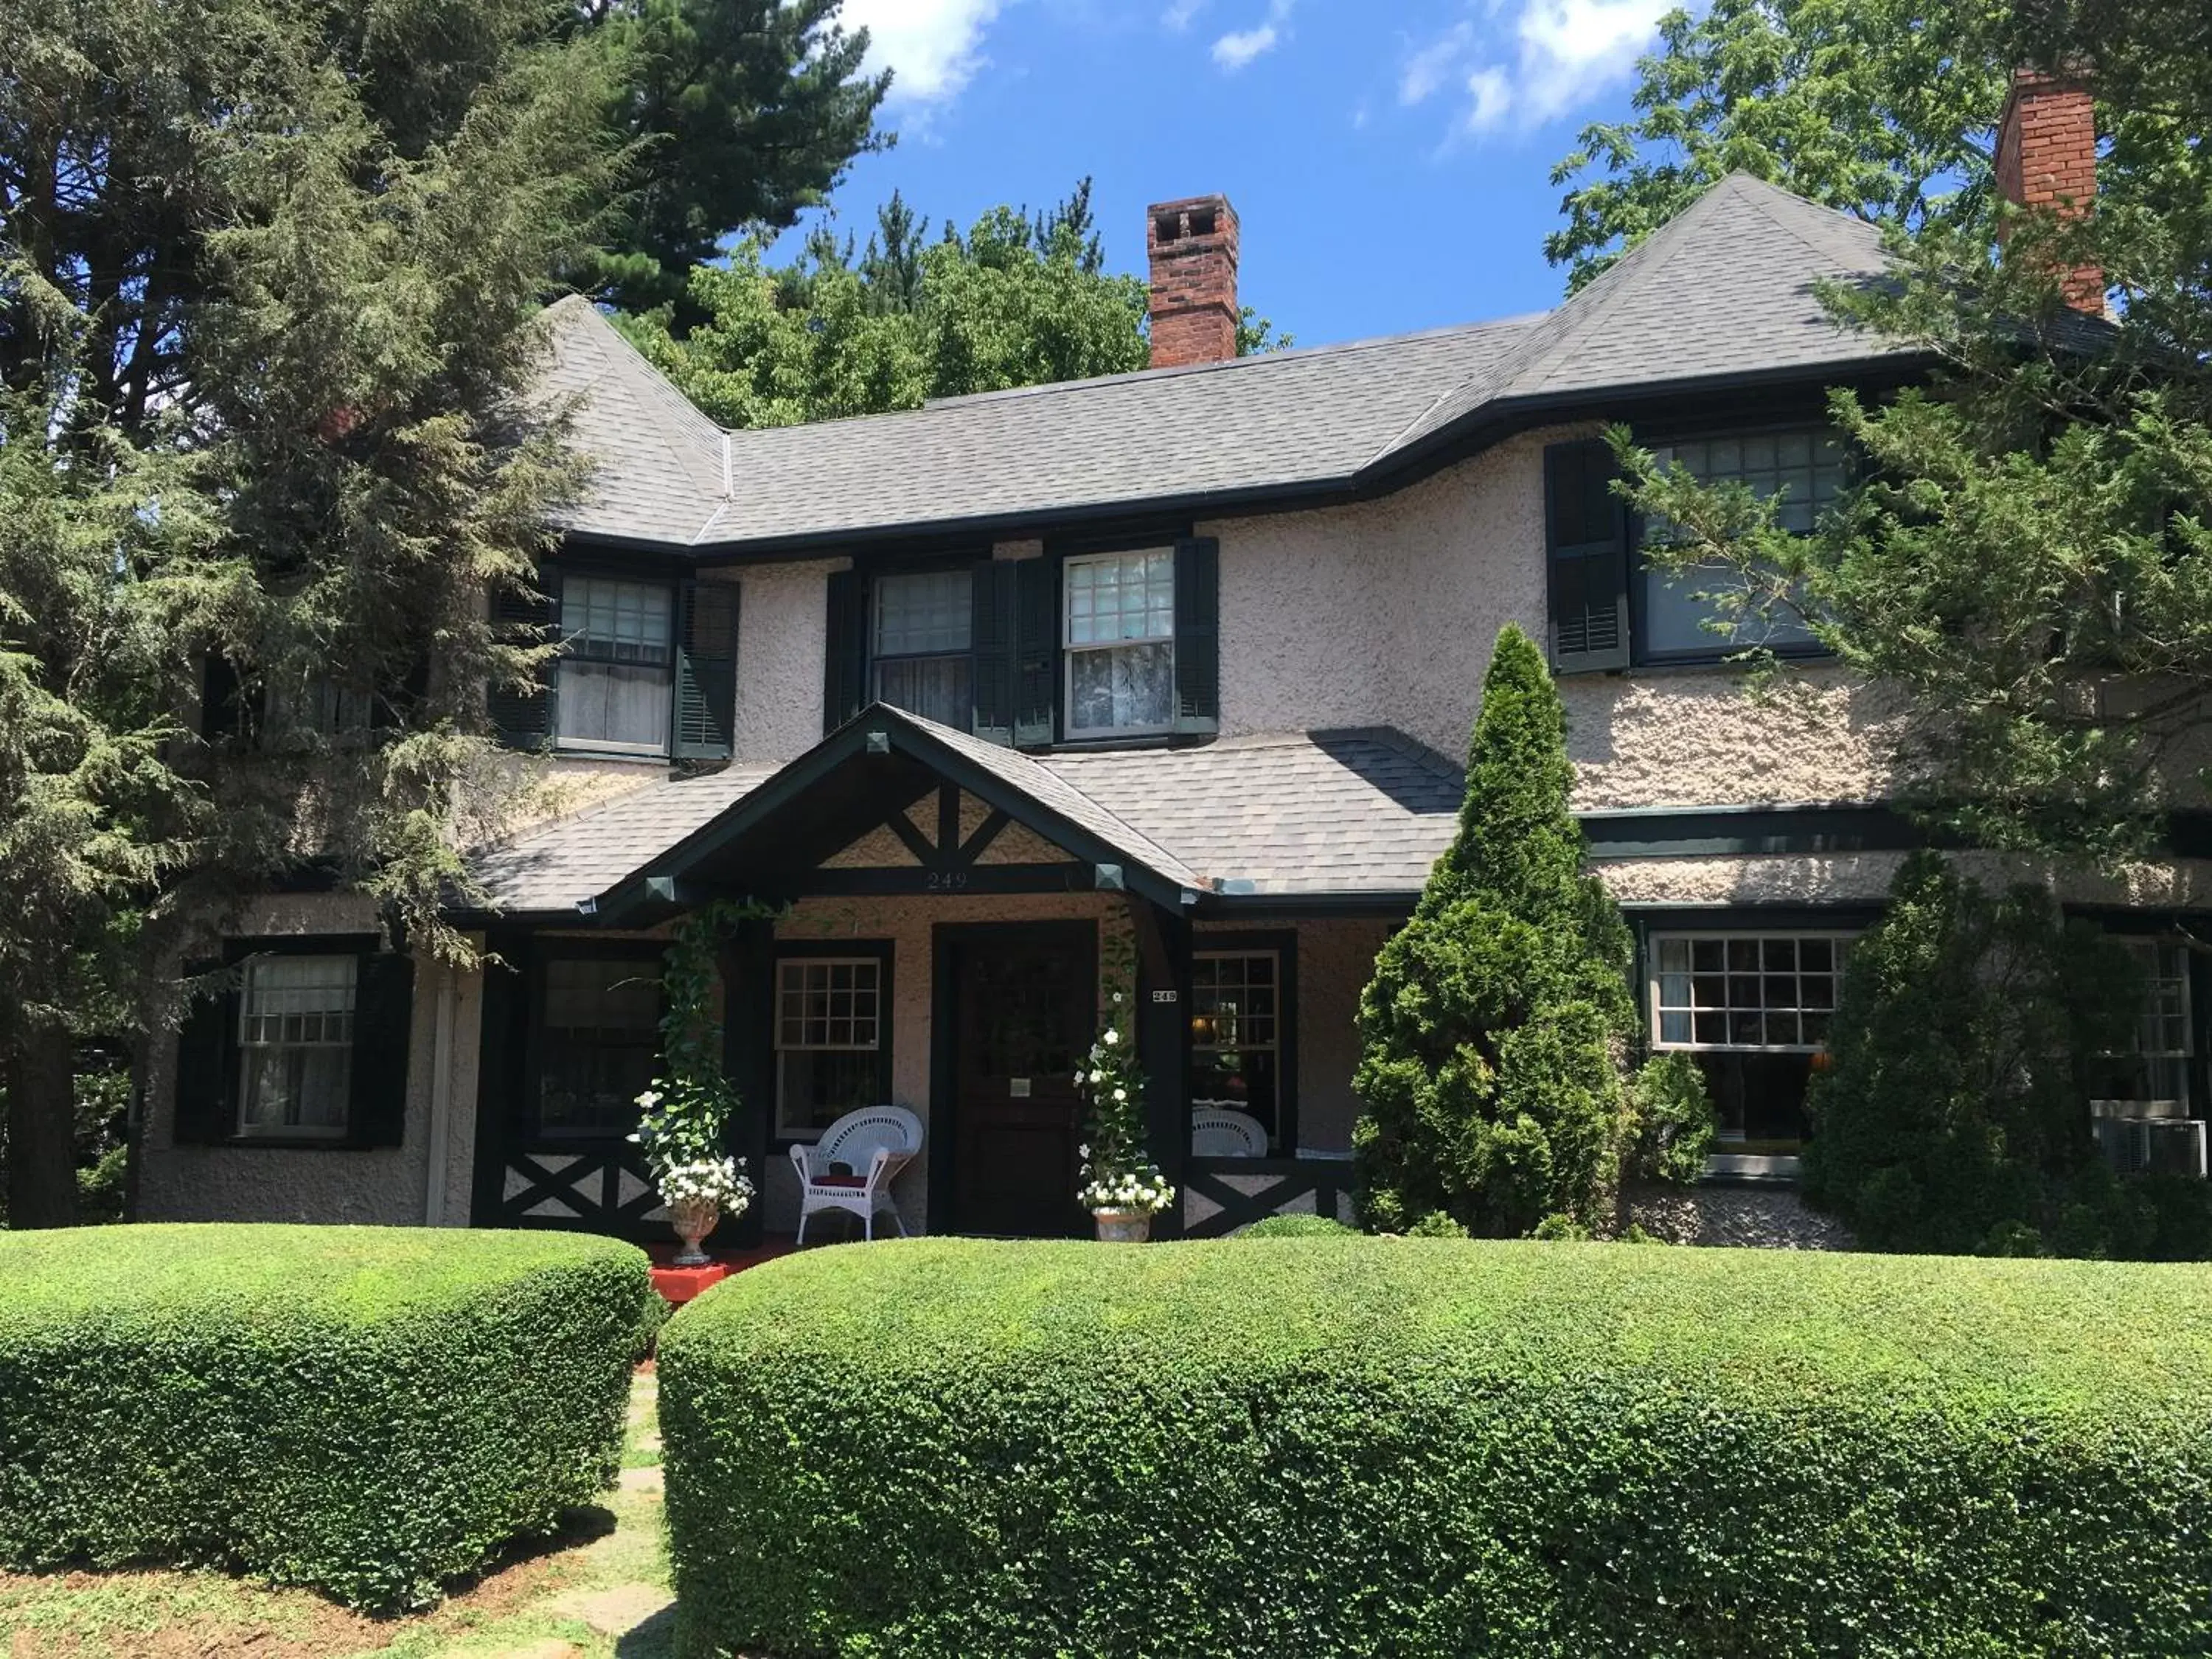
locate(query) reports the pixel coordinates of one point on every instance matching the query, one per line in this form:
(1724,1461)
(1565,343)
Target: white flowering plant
(715,1179)
(1116,1174)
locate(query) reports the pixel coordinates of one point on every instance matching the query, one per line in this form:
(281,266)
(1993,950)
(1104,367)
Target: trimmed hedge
(371,1411)
(1373,1446)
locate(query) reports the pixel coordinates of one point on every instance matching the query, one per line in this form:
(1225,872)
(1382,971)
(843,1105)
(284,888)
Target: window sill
(619,756)
(344,1143)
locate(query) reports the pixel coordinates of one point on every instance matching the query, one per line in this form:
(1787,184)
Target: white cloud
(1179,16)
(1233,50)
(1530,61)
(933,47)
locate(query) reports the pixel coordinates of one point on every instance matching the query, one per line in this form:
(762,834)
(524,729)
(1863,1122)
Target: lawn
(598,1591)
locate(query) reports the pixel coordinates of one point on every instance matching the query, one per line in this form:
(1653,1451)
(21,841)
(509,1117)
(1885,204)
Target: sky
(1388,160)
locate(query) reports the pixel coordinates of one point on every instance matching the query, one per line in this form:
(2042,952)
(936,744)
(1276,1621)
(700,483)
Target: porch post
(1163,1022)
(748,964)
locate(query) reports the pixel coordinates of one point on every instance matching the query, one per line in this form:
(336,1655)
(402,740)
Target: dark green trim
(849,744)
(885,953)
(1743,832)
(1283,942)
(980,878)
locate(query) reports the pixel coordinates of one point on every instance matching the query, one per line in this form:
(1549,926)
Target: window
(296,1027)
(1804,466)
(322,708)
(829,1040)
(1236,1036)
(2152,1079)
(922,640)
(616,674)
(1120,640)
(1754,1008)
(600,1045)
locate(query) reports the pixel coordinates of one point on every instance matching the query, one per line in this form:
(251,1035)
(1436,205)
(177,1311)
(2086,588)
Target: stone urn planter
(1123,1227)
(693,1219)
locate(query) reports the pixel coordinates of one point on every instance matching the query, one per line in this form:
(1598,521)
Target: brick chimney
(2047,158)
(1193,244)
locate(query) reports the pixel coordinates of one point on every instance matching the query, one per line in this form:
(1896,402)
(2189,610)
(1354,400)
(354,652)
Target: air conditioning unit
(2152,1146)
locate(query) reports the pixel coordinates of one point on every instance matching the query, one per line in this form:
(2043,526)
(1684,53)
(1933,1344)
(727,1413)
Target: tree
(1967,1044)
(1881,108)
(265,322)
(1021,299)
(1493,1031)
(2029,551)
(739,114)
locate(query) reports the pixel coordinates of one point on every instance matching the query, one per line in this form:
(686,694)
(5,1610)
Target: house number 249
(1163,996)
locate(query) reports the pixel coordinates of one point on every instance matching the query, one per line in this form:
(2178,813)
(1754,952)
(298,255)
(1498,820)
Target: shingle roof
(1344,812)
(1726,288)
(1363,811)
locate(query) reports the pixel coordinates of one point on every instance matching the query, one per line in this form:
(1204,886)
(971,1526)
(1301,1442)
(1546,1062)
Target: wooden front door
(1025,1000)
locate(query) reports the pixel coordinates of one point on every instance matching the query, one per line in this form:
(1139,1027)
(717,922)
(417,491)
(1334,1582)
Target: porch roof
(1351,814)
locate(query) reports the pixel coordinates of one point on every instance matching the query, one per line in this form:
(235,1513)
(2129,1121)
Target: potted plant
(684,1118)
(1122,1188)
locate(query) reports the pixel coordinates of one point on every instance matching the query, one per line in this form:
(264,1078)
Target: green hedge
(371,1411)
(1375,1446)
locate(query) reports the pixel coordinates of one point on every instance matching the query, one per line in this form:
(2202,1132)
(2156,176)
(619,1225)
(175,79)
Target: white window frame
(876,966)
(571,637)
(1070,649)
(1840,940)
(250,1045)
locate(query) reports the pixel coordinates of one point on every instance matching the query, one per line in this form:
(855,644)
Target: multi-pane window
(829,1039)
(2151,1080)
(922,623)
(1236,1034)
(1120,640)
(617,672)
(600,1046)
(1754,1008)
(1803,467)
(296,1019)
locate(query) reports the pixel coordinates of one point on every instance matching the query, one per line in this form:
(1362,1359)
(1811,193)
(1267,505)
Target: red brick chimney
(1193,244)
(2047,158)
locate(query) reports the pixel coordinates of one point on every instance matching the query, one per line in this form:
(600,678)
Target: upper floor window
(295,1036)
(617,676)
(921,636)
(1801,469)
(1119,629)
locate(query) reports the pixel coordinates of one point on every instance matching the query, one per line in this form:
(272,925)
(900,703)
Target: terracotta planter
(693,1219)
(1123,1227)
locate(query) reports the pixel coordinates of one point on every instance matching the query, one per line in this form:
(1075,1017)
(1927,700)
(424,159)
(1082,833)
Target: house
(1152,682)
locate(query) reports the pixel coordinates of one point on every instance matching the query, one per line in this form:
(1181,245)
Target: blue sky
(1388,160)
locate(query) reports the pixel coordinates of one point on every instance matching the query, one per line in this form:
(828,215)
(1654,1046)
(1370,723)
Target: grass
(608,1565)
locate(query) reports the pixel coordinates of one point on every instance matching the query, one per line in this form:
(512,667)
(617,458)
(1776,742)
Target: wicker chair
(874,1143)
(1220,1130)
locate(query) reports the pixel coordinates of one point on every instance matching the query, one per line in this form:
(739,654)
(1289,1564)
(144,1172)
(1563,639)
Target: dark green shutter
(205,1096)
(1198,635)
(527,720)
(383,1017)
(222,700)
(845,657)
(1036,651)
(706,672)
(991,635)
(1586,541)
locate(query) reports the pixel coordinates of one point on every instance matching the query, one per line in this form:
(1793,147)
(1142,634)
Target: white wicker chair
(875,1143)
(1220,1130)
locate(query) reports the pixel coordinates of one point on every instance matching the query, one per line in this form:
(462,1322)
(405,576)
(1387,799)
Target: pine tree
(1493,1029)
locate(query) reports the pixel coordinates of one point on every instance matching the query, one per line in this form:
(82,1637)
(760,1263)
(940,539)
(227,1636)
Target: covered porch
(943,924)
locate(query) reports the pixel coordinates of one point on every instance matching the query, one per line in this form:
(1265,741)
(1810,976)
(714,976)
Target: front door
(1024,1001)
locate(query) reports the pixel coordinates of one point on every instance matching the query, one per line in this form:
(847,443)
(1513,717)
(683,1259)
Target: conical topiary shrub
(1493,1031)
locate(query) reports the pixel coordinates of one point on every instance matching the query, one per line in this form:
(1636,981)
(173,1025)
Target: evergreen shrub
(1493,1029)
(371,1411)
(1396,1449)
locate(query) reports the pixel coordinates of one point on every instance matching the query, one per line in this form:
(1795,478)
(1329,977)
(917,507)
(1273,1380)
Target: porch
(943,925)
